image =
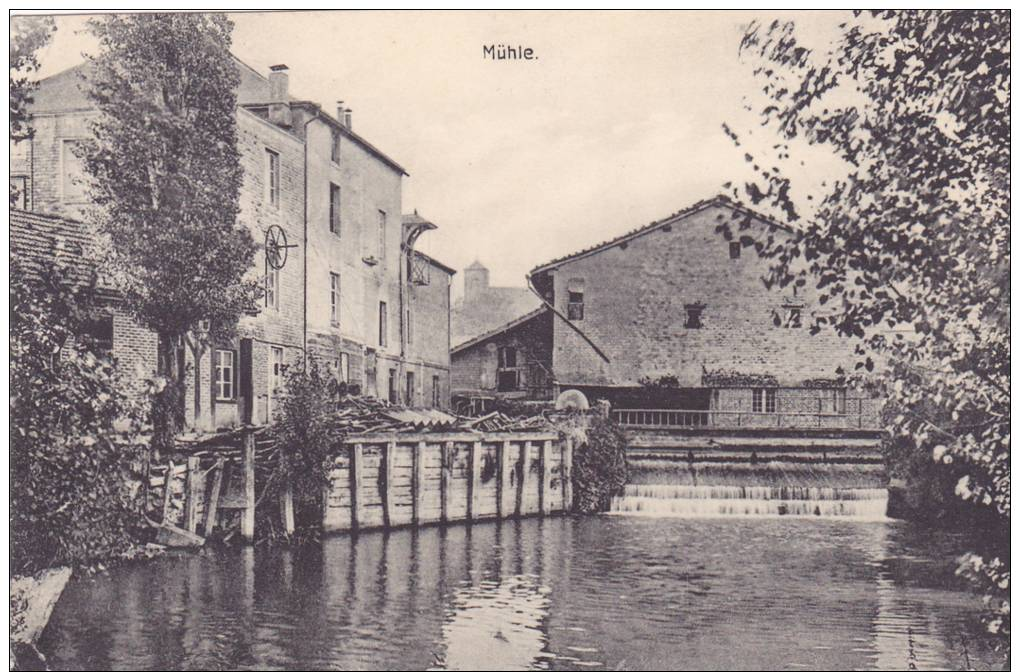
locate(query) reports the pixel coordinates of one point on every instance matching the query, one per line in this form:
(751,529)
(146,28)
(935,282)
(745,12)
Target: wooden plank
(248,467)
(522,482)
(168,481)
(545,479)
(357,501)
(474,478)
(191,494)
(212,506)
(502,482)
(445,477)
(567,470)
(287,498)
(386,486)
(418,482)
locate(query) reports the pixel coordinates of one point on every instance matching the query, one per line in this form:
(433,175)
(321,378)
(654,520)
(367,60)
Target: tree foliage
(909,246)
(600,460)
(166,174)
(29,34)
(73,432)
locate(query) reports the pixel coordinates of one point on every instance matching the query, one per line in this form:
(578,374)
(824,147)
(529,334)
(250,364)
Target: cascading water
(698,490)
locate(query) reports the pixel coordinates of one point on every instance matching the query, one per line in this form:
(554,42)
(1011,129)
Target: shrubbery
(600,462)
(73,433)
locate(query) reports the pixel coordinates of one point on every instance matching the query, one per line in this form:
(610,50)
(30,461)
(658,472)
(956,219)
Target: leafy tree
(909,246)
(28,35)
(72,432)
(165,177)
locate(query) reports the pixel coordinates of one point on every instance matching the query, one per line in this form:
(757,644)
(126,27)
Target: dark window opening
(507,380)
(334,151)
(392,391)
(334,209)
(575,305)
(98,333)
(763,400)
(435,391)
(793,318)
(410,388)
(693,315)
(507,357)
(382,323)
(734,249)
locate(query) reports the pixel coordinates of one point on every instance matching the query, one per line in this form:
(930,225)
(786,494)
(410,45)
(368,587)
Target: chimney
(347,119)
(340,111)
(279,102)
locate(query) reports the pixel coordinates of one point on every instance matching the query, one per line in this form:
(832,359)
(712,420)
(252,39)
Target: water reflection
(605,592)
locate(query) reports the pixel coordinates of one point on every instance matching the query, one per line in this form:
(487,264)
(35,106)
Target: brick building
(674,316)
(345,295)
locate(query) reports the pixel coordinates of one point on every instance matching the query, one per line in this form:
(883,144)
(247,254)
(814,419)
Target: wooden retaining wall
(391,480)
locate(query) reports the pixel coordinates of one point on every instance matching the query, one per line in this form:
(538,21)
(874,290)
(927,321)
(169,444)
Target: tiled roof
(492,308)
(499,330)
(720,200)
(38,239)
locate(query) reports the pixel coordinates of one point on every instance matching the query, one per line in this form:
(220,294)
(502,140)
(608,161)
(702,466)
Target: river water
(600,592)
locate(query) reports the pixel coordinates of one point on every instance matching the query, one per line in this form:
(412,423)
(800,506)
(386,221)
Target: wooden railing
(694,419)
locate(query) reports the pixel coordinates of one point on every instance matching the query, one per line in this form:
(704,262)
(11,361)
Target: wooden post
(168,480)
(522,483)
(287,499)
(567,471)
(418,483)
(214,497)
(386,490)
(191,494)
(474,479)
(248,466)
(502,479)
(354,469)
(445,476)
(544,486)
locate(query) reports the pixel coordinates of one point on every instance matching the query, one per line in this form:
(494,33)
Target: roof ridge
(718,199)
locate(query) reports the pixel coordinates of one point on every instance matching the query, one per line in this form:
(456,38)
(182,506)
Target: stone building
(490,330)
(674,316)
(344,296)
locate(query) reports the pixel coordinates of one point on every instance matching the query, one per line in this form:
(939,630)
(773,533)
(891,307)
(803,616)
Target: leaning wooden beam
(212,506)
(168,482)
(248,467)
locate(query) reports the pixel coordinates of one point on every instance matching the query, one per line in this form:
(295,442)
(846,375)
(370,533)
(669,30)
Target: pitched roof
(516,322)
(490,309)
(38,240)
(63,92)
(720,200)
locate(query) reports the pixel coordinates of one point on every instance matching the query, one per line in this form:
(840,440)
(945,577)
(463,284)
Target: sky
(616,123)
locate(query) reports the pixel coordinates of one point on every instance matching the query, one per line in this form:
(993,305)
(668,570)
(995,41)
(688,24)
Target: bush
(73,433)
(600,460)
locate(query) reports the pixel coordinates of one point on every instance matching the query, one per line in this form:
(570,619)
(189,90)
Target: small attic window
(575,299)
(734,249)
(693,315)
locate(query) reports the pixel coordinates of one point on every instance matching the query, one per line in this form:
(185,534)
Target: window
(98,333)
(224,375)
(410,396)
(334,150)
(507,357)
(393,386)
(435,392)
(272,287)
(382,236)
(275,370)
(273,178)
(382,323)
(19,190)
(334,209)
(835,400)
(334,298)
(793,317)
(72,183)
(763,400)
(693,315)
(734,249)
(575,299)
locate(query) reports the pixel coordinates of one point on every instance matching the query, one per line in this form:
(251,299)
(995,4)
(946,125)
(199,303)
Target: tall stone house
(672,316)
(353,292)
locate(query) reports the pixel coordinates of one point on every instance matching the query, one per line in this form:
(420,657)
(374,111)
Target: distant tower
(476,281)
